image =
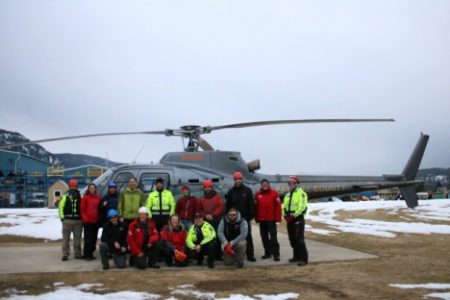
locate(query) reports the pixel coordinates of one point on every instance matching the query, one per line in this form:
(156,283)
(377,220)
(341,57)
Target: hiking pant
(118,257)
(90,238)
(240,250)
(268,232)
(250,250)
(68,227)
(296,232)
(160,221)
(218,252)
(151,256)
(208,249)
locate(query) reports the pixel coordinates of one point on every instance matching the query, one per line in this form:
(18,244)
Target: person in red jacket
(143,240)
(211,207)
(90,215)
(267,214)
(187,207)
(173,240)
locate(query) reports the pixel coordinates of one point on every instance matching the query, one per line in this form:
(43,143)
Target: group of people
(156,228)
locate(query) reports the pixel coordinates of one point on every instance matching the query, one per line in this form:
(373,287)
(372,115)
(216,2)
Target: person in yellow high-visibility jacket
(295,205)
(160,204)
(201,241)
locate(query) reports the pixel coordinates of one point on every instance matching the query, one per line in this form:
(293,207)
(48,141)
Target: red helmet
(228,250)
(208,183)
(73,183)
(294,179)
(237,175)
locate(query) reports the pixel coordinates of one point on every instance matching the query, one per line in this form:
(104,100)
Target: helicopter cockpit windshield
(102,182)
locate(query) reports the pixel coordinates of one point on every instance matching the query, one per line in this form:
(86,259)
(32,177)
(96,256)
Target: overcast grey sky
(79,67)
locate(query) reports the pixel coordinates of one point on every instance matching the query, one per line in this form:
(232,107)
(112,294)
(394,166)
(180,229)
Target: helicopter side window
(147,181)
(233,158)
(122,181)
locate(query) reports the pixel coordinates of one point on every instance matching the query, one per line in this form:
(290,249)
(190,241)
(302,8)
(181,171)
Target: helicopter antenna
(137,155)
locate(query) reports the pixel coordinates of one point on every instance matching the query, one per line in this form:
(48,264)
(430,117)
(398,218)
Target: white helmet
(143,210)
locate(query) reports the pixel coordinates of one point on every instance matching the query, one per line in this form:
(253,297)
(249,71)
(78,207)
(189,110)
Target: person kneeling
(173,240)
(113,241)
(143,241)
(232,233)
(200,241)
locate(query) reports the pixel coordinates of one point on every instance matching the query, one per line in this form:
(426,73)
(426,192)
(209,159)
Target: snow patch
(427,210)
(429,286)
(63,291)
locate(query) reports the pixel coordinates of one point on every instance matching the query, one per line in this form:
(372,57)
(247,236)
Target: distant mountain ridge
(67,160)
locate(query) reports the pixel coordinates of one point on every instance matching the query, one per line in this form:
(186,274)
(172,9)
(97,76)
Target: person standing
(69,212)
(187,207)
(130,201)
(113,243)
(267,214)
(143,239)
(160,204)
(109,201)
(211,208)
(173,241)
(295,205)
(201,241)
(240,197)
(90,214)
(232,233)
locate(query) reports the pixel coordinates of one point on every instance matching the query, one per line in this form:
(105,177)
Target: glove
(229,250)
(289,219)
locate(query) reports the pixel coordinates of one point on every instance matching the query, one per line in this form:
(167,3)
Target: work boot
(131,261)
(239,265)
(199,262)
(252,259)
(211,265)
(153,265)
(302,263)
(64,258)
(105,267)
(294,259)
(276,258)
(265,256)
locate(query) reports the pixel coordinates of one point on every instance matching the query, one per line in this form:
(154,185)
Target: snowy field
(97,292)
(44,223)
(419,219)
(429,286)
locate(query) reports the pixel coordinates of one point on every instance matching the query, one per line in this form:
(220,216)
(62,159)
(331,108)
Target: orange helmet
(180,256)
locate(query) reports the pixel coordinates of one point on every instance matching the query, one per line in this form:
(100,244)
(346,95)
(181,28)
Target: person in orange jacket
(267,213)
(90,215)
(143,240)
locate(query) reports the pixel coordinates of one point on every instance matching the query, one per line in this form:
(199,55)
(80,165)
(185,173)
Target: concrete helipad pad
(47,258)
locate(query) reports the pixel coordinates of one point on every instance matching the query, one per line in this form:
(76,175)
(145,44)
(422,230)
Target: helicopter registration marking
(191,157)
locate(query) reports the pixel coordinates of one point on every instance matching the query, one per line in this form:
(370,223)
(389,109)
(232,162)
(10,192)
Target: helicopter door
(147,181)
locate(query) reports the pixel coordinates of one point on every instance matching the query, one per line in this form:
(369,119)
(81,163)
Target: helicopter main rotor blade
(303,121)
(80,137)
(205,145)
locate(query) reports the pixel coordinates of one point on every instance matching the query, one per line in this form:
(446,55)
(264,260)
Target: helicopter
(199,161)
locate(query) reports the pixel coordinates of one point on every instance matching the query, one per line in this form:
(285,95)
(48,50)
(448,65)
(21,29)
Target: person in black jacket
(241,198)
(113,241)
(109,201)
